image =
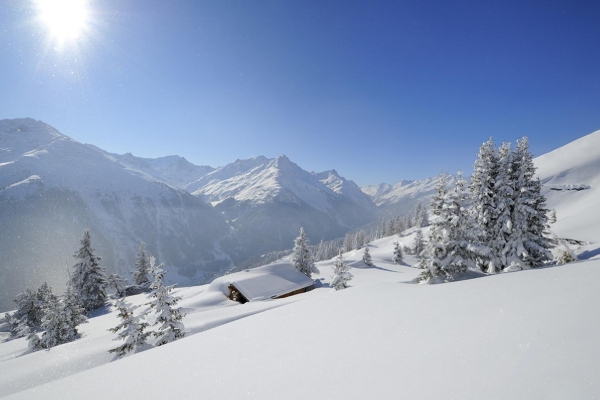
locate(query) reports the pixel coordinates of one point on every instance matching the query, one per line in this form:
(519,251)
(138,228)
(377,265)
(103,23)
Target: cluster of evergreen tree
(167,318)
(499,224)
(398,224)
(57,317)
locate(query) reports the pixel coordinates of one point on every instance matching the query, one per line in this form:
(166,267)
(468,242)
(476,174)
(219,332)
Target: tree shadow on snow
(462,277)
(105,309)
(588,254)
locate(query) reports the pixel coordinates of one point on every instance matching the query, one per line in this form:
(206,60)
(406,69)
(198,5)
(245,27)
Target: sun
(65,20)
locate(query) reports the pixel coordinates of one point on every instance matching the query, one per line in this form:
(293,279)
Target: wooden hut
(273,281)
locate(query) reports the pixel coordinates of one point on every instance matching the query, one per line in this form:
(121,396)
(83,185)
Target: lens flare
(66,20)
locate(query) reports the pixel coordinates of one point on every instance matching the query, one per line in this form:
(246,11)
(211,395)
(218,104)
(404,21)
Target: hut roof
(269,281)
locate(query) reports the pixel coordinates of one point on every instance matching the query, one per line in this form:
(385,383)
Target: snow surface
(576,164)
(530,334)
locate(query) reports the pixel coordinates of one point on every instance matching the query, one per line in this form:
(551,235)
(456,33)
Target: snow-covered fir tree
(341,274)
(494,234)
(483,196)
(89,278)
(167,317)
(132,330)
(302,258)
(142,273)
(367,257)
(450,248)
(526,246)
(421,217)
(397,256)
(419,243)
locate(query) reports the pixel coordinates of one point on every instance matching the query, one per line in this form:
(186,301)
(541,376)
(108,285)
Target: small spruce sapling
(142,273)
(168,319)
(367,257)
(132,330)
(302,258)
(341,275)
(398,256)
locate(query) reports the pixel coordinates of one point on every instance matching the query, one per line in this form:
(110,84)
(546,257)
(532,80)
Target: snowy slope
(52,188)
(528,334)
(575,165)
(495,337)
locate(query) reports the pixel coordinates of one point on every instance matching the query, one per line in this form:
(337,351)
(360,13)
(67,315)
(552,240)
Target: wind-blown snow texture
(528,334)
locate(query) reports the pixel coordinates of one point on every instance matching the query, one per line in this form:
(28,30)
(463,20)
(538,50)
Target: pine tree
(168,319)
(367,257)
(132,330)
(302,259)
(397,257)
(526,247)
(141,275)
(419,243)
(89,278)
(341,275)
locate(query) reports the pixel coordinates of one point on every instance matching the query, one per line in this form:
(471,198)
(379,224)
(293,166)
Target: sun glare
(65,19)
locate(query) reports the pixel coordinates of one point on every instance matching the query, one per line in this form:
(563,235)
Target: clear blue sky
(379,90)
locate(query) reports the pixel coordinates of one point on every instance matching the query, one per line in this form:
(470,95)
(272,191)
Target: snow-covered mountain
(268,200)
(175,170)
(403,197)
(52,188)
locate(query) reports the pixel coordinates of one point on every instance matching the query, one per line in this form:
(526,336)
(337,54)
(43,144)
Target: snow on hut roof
(269,281)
